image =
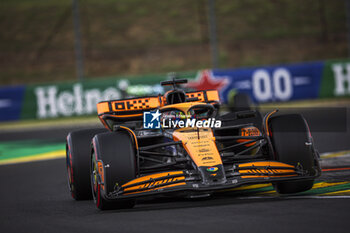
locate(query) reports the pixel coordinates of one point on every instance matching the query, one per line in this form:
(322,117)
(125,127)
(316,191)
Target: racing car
(130,159)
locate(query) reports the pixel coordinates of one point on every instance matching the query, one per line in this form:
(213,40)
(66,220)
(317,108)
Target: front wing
(190,181)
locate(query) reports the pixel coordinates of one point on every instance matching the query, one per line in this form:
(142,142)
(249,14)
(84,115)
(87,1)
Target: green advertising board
(335,80)
(80,98)
(323,79)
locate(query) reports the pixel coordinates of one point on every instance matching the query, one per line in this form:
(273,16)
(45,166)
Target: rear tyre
(292,144)
(78,162)
(112,165)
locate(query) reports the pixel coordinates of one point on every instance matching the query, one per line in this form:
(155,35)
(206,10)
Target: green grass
(9,150)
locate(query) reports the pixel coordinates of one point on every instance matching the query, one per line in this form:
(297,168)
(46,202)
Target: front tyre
(112,165)
(293,144)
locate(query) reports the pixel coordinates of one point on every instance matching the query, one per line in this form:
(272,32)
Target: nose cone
(213,175)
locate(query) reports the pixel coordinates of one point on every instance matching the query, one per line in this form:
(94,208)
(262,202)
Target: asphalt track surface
(34,198)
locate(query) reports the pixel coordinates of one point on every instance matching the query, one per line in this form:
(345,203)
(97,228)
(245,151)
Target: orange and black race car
(180,152)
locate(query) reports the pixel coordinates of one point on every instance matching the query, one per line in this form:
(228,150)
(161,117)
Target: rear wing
(132,109)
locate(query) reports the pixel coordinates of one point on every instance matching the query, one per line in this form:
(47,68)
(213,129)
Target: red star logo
(205,81)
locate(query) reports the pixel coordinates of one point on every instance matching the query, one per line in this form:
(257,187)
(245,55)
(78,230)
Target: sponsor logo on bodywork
(212,169)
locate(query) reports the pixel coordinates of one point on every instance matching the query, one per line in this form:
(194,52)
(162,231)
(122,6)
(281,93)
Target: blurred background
(133,37)
(59,58)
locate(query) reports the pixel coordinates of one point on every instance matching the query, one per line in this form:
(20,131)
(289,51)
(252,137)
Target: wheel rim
(94,183)
(69,172)
(69,179)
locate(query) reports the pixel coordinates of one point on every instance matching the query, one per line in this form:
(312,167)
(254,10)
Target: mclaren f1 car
(131,159)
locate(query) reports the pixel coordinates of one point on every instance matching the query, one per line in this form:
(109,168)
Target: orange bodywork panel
(152,189)
(213,95)
(129,105)
(152,183)
(266,164)
(283,170)
(254,177)
(131,109)
(249,131)
(147,103)
(155,183)
(102,107)
(152,176)
(204,96)
(200,145)
(135,104)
